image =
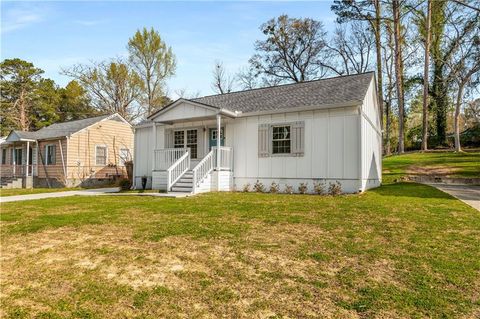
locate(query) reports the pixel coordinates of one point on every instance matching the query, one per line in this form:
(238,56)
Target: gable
(182,110)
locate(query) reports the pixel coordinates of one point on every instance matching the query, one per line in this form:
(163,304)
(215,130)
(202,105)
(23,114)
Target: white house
(320,131)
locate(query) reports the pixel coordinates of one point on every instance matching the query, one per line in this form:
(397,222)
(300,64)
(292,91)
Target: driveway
(469,194)
(96,191)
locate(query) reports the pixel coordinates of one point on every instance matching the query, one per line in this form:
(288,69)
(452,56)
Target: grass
(438,163)
(26,191)
(401,250)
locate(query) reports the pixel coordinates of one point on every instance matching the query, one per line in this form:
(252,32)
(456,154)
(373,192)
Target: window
(281,139)
(4,155)
(124,156)
(50,154)
(186,138)
(179,139)
(214,134)
(192,142)
(101,155)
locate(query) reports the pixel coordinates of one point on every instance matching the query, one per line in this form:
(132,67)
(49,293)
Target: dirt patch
(432,170)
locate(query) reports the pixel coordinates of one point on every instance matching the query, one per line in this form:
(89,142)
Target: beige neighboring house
(84,152)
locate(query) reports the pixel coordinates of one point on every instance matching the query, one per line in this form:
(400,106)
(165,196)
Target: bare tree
(425,76)
(222,81)
(293,50)
(113,86)
(399,76)
(247,79)
(352,47)
(388,53)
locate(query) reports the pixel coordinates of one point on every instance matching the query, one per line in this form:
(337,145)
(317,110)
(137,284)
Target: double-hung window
(100,155)
(186,138)
(281,140)
(50,154)
(4,156)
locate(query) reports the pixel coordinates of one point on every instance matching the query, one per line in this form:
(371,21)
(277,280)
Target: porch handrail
(202,169)
(226,157)
(178,168)
(166,157)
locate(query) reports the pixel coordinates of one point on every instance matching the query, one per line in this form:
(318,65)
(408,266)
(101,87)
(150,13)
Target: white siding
(371,140)
(143,155)
(184,110)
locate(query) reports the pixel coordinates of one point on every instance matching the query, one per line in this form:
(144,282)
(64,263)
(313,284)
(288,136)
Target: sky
(58,34)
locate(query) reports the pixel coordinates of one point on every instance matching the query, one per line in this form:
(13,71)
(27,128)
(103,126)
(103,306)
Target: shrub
(303,188)
(335,188)
(246,188)
(274,188)
(124,184)
(259,187)
(288,189)
(319,188)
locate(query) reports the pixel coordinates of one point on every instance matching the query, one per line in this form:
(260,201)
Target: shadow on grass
(410,190)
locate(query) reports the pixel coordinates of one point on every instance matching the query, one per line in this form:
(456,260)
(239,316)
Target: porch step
(184,184)
(9,182)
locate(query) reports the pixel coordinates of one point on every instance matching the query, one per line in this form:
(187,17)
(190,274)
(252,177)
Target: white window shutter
(263,140)
(298,138)
(168,138)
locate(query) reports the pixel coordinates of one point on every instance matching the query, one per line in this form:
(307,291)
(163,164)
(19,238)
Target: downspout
(219,154)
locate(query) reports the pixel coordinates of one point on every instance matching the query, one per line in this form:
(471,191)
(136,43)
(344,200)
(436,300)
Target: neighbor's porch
(18,163)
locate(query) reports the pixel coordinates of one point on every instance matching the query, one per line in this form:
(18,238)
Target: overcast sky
(53,35)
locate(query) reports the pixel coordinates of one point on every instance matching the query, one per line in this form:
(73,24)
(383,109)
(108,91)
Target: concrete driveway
(469,194)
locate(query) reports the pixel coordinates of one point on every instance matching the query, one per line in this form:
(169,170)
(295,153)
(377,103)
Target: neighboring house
(83,152)
(320,131)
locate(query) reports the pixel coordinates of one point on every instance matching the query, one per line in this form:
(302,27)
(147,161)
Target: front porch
(18,164)
(174,170)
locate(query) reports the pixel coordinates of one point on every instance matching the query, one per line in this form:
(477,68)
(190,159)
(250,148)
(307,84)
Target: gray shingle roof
(60,129)
(317,93)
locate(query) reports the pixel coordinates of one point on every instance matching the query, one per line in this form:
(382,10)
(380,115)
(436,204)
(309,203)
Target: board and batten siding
(331,149)
(371,140)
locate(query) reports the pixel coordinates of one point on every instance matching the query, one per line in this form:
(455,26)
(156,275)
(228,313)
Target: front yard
(402,250)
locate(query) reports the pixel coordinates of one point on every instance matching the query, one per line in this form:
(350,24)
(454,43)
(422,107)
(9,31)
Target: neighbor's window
(50,154)
(101,155)
(4,155)
(281,139)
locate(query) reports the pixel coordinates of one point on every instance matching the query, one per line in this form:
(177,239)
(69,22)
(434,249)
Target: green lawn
(447,164)
(400,251)
(25,191)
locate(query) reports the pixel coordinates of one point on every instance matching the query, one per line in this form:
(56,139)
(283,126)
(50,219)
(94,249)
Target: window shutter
(263,140)
(168,138)
(298,138)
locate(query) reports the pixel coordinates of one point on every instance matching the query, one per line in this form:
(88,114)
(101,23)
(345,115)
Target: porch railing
(163,159)
(226,157)
(7,170)
(202,169)
(180,167)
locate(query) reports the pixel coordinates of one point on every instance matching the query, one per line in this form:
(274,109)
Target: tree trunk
(399,74)
(22,108)
(388,150)
(457,117)
(425,77)
(378,45)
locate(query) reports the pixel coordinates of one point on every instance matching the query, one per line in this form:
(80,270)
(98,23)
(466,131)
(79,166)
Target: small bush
(274,188)
(246,188)
(303,188)
(259,187)
(124,184)
(319,188)
(288,189)
(335,188)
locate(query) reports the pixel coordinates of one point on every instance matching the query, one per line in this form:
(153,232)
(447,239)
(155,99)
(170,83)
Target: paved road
(88,192)
(469,194)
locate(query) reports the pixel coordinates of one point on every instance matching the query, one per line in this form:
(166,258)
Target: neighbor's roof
(61,129)
(317,93)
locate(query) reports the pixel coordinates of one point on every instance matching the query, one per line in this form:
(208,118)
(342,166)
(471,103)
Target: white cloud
(89,23)
(22,16)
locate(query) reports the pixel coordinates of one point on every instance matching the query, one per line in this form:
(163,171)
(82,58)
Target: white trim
(181,100)
(106,154)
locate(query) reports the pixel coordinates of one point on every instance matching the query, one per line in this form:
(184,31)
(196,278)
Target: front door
(17,156)
(213,137)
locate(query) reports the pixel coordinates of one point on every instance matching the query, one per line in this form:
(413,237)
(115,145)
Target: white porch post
(13,159)
(219,117)
(154,132)
(26,160)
